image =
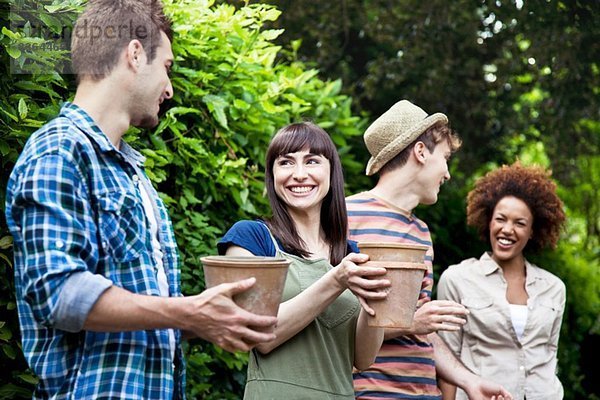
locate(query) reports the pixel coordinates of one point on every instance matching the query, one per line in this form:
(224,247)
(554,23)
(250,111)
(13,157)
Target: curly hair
(533,186)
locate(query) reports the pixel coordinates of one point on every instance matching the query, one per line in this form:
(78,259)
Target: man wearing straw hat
(410,152)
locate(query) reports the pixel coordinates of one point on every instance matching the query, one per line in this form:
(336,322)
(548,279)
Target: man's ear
(420,152)
(134,54)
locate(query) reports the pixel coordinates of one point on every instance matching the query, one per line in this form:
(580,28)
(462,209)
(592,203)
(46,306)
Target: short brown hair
(431,137)
(107,26)
(533,186)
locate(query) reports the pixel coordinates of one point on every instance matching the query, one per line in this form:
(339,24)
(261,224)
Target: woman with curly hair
(516,307)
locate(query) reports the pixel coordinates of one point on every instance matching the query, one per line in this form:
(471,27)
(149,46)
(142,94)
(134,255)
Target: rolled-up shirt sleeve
(79,293)
(446,290)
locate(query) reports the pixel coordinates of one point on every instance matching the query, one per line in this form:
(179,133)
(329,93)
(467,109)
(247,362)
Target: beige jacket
(488,344)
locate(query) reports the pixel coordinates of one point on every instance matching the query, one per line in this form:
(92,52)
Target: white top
(518,315)
(161,276)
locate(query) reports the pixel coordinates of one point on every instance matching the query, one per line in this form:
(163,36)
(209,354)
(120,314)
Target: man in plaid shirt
(96,264)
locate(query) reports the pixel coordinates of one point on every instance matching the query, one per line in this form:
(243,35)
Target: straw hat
(394,130)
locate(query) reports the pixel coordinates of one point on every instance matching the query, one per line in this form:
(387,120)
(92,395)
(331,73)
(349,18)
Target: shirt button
(521,368)
(59,244)
(136,178)
(104,244)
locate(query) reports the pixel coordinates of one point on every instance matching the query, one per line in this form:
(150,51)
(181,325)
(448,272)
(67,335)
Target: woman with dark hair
(322,331)
(516,308)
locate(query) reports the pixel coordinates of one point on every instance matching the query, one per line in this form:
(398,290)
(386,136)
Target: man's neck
(395,188)
(105,106)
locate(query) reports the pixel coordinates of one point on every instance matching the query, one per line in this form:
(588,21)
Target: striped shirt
(79,226)
(404,367)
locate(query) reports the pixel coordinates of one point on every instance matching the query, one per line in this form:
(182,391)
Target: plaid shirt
(79,226)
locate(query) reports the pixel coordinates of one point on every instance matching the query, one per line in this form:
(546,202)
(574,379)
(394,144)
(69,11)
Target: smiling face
(153,85)
(511,227)
(435,172)
(302,180)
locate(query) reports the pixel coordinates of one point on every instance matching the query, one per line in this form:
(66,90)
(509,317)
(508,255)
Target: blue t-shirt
(254,236)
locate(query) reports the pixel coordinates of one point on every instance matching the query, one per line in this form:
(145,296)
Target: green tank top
(317,362)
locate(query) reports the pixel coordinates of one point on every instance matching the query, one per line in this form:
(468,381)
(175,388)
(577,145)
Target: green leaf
(10,34)
(9,351)
(5,334)
(32,86)
(29,378)
(13,51)
(52,22)
(272,34)
(4,150)
(272,14)
(11,391)
(217,105)
(53,9)
(6,259)
(6,242)
(22,108)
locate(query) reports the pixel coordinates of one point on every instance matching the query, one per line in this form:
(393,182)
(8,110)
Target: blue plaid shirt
(79,227)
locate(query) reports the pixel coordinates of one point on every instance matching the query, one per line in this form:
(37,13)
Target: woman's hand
(361,279)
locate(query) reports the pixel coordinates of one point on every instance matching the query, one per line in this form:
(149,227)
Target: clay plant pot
(405,264)
(264,296)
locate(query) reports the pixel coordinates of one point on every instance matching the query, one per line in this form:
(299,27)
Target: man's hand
(214,316)
(438,315)
(482,389)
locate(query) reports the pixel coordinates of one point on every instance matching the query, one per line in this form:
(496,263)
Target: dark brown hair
(308,136)
(533,186)
(106,27)
(430,138)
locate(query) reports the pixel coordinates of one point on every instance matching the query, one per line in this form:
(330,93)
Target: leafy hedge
(26,103)
(233,89)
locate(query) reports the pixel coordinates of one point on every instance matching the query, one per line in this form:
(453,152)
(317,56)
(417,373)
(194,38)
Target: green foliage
(27,101)
(473,61)
(516,79)
(577,270)
(233,89)
(515,82)
(583,200)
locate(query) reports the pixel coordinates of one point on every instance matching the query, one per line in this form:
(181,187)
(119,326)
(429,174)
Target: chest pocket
(483,318)
(543,316)
(477,303)
(122,225)
(338,312)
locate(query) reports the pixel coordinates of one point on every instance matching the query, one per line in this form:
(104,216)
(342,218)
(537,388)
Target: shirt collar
(488,263)
(86,124)
(131,154)
(490,266)
(533,273)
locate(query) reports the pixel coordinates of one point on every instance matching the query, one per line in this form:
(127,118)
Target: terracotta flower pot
(405,264)
(270,272)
